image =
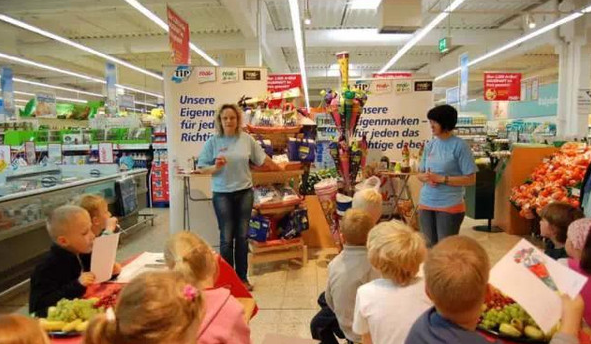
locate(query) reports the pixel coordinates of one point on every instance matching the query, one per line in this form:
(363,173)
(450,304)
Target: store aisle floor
(286,293)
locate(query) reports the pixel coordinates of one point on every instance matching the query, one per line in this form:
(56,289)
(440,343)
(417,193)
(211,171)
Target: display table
(227,278)
(524,159)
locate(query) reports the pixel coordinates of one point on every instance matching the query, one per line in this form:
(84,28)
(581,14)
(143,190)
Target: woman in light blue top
(227,156)
(447,166)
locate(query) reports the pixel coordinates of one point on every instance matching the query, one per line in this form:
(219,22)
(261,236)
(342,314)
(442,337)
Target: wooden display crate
(277,250)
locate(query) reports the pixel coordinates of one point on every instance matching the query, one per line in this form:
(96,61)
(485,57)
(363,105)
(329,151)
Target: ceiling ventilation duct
(399,16)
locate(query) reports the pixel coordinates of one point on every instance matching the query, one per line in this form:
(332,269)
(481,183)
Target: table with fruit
(68,319)
(503,318)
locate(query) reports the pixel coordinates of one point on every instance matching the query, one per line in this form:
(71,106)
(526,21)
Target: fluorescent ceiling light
(146,12)
(44,66)
(70,73)
(518,41)
(79,46)
(40,84)
(364,4)
(75,100)
(294,10)
(421,34)
(147,104)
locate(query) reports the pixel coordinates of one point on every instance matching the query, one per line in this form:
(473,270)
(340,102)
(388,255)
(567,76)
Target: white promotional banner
(191,105)
(391,118)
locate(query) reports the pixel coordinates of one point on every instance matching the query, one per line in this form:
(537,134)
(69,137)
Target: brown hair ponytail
(100,331)
(191,256)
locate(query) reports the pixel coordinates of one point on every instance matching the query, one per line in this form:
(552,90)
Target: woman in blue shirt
(227,157)
(447,166)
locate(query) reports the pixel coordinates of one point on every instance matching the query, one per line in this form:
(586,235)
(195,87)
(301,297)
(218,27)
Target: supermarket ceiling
(227,31)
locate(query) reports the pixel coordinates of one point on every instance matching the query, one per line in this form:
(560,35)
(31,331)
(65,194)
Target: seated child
(369,200)
(556,217)
(347,272)
(102,220)
(578,247)
(154,308)
(64,273)
(19,329)
(456,278)
(387,307)
(224,316)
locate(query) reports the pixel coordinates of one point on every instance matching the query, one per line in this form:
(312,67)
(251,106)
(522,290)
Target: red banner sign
(391,75)
(282,82)
(502,86)
(178,37)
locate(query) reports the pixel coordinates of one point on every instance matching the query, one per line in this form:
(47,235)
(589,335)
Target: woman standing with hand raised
(447,167)
(227,156)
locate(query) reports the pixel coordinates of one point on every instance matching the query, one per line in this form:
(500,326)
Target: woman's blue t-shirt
(239,151)
(451,157)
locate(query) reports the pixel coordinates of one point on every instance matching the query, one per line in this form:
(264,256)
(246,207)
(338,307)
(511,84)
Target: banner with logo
(111,79)
(463,84)
(391,118)
(391,75)
(191,105)
(178,37)
(45,105)
(502,86)
(8,109)
(229,74)
(282,82)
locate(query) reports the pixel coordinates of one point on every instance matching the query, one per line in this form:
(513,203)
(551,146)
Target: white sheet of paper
(517,281)
(104,252)
(147,261)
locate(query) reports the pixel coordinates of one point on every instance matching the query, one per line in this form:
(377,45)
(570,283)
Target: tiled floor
(286,293)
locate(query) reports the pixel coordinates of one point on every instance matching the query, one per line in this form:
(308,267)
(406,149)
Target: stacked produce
(71,315)
(502,315)
(554,180)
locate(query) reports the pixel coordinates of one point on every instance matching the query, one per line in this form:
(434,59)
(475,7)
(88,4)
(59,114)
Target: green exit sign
(444,44)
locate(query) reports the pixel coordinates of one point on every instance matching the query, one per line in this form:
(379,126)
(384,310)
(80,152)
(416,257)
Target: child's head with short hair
(190,255)
(69,226)
(578,243)
(98,208)
(555,219)
(155,307)
(19,329)
(369,200)
(456,278)
(396,251)
(355,227)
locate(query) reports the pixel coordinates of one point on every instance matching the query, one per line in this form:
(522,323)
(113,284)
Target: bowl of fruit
(70,318)
(504,318)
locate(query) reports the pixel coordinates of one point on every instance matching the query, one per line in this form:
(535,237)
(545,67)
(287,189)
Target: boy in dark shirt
(456,278)
(554,221)
(65,271)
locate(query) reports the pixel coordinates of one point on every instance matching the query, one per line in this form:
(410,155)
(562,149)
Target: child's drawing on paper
(534,262)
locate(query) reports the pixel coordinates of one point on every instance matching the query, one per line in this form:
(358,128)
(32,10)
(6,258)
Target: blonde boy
(369,200)
(387,307)
(349,270)
(97,207)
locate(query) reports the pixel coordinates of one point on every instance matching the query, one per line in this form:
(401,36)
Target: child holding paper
(65,271)
(456,278)
(555,219)
(224,320)
(102,220)
(578,247)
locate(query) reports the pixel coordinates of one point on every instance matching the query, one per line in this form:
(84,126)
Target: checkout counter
(29,194)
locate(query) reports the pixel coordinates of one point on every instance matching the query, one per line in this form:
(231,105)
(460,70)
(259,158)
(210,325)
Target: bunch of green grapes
(70,310)
(508,314)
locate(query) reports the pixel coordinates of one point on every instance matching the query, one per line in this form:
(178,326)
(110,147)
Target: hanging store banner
(452,95)
(8,109)
(126,101)
(403,86)
(282,82)
(389,120)
(381,87)
(535,89)
(464,75)
(45,105)
(111,78)
(502,86)
(178,37)
(190,113)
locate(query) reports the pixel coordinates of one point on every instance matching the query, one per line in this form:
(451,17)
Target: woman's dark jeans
(233,212)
